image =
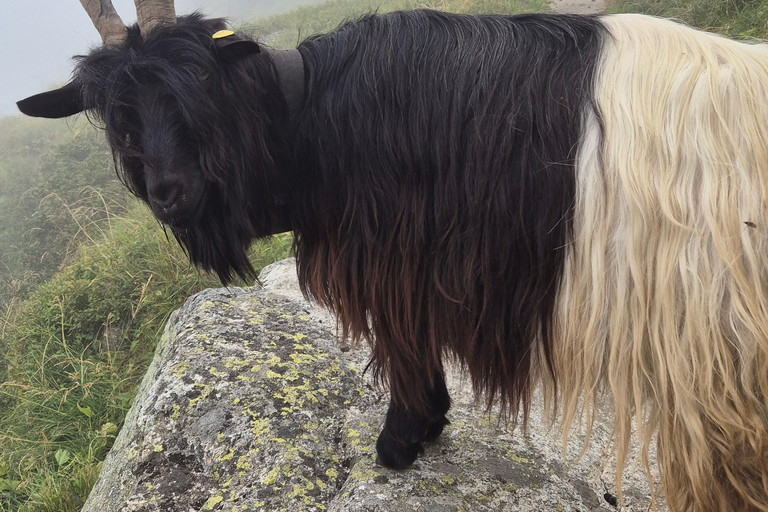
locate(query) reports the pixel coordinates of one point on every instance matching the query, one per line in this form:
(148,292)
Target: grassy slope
(742,19)
(55,180)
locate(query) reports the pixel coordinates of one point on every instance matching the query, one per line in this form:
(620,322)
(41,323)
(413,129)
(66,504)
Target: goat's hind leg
(400,440)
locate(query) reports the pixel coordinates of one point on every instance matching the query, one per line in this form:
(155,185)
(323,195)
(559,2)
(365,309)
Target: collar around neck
(290,72)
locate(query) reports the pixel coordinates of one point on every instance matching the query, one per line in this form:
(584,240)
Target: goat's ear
(231,48)
(62,102)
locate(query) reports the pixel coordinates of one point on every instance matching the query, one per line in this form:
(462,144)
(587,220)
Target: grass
(77,349)
(742,19)
(286,30)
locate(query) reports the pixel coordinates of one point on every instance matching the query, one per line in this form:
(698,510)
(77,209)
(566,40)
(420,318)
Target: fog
(39,38)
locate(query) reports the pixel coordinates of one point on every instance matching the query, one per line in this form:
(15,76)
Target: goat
(575,203)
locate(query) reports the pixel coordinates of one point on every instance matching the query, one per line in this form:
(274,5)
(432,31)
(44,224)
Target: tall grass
(55,189)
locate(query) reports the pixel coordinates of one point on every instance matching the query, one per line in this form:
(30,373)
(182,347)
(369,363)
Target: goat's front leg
(406,427)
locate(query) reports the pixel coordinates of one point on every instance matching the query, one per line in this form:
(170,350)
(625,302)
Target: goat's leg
(404,430)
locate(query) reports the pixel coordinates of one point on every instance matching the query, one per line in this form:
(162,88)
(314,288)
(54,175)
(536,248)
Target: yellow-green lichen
(204,394)
(180,369)
(227,456)
(520,460)
(274,360)
(300,358)
(212,502)
(271,477)
(243,462)
(259,426)
(362,475)
(236,364)
(354,438)
(482,497)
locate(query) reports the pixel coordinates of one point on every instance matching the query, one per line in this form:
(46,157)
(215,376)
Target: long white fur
(664,298)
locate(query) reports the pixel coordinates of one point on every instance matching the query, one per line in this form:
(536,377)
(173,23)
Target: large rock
(252,403)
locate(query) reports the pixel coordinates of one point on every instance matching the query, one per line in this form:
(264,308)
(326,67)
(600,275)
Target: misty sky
(39,38)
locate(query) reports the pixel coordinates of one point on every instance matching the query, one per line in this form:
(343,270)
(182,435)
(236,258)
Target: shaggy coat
(577,203)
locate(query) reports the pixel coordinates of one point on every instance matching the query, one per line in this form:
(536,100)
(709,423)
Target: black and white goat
(578,203)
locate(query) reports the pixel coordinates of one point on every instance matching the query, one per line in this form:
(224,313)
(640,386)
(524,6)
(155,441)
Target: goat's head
(181,111)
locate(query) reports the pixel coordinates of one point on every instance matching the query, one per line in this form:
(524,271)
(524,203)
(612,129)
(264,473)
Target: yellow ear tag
(222,34)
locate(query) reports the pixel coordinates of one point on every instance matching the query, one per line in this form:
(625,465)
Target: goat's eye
(205,77)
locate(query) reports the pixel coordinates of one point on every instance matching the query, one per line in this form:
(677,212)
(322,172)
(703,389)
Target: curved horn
(106,20)
(154,13)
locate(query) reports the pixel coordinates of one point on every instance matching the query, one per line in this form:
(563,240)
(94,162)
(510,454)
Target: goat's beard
(217,245)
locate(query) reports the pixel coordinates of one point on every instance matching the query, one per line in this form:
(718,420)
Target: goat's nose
(165,194)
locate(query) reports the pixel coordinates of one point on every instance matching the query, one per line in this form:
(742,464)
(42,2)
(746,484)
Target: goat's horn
(106,20)
(154,13)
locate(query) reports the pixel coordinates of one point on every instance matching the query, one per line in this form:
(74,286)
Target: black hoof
(400,440)
(435,429)
(394,454)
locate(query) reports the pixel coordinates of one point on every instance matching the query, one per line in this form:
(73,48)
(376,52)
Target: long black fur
(433,188)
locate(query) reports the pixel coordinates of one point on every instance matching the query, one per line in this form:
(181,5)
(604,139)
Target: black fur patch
(434,183)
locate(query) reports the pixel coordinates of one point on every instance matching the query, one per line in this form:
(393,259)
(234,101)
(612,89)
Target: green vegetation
(58,187)
(742,19)
(286,30)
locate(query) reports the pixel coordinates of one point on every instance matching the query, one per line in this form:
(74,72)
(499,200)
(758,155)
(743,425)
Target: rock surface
(252,403)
